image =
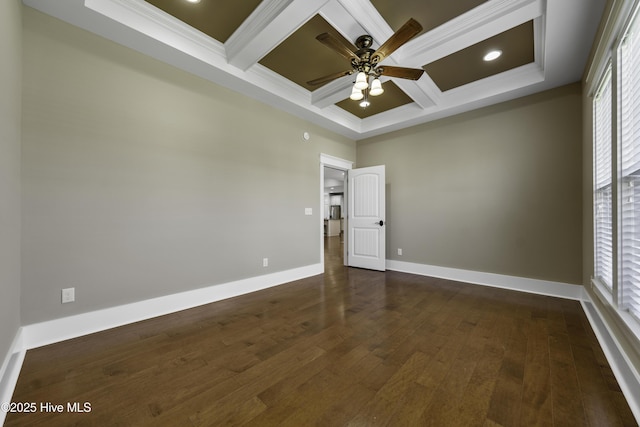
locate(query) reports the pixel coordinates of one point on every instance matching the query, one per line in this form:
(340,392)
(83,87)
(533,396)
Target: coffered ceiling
(267,49)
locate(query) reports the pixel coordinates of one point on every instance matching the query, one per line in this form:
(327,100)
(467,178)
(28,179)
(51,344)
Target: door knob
(381,223)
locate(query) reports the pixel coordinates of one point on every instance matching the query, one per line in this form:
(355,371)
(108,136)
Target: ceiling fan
(366,61)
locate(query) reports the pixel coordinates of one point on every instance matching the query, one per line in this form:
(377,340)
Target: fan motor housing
(363,43)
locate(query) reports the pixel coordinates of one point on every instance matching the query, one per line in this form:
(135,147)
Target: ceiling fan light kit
(361,81)
(356,94)
(376,87)
(365,61)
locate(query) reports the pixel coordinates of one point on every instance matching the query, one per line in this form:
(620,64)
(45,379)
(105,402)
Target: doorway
(333,241)
(334,217)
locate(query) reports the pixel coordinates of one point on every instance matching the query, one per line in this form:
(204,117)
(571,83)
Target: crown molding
(159,25)
(525,75)
(558,51)
(485,21)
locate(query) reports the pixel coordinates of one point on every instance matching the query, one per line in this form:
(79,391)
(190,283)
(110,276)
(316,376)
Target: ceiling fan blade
(329,78)
(338,45)
(402,72)
(409,30)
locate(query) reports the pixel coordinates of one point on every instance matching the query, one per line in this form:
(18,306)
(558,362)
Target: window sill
(628,325)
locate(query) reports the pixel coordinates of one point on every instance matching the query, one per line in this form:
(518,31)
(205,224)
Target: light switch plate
(308,211)
(68,295)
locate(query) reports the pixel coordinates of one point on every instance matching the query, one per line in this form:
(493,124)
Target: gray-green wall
(495,190)
(10,110)
(140,180)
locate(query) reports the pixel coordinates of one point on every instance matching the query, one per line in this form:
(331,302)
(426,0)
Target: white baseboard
(11,370)
(39,334)
(523,284)
(628,377)
(44,333)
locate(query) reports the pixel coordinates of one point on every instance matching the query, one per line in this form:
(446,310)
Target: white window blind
(603,218)
(629,168)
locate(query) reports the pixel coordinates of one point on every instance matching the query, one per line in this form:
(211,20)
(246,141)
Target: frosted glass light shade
(356,94)
(376,88)
(365,103)
(361,81)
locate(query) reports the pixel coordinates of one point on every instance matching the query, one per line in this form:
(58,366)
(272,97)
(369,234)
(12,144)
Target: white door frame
(336,163)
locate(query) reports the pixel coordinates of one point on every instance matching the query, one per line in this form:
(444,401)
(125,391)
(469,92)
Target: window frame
(622,173)
(609,52)
(606,77)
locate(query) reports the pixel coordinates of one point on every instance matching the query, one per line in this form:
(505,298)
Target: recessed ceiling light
(493,55)
(193,1)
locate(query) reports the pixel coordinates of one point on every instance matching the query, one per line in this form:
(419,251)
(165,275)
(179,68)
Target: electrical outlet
(68,295)
(265,262)
(399,251)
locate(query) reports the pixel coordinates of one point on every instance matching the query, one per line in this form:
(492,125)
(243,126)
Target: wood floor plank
(536,394)
(506,402)
(472,401)
(349,347)
(597,400)
(446,400)
(382,407)
(565,390)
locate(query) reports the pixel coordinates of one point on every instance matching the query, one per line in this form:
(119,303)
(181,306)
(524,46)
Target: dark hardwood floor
(350,347)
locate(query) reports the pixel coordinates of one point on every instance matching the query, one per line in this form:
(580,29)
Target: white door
(366,227)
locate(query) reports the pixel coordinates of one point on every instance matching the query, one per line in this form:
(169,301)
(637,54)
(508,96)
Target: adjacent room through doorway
(334,204)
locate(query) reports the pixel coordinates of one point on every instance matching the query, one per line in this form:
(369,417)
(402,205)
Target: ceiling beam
(269,24)
(332,92)
(485,21)
(417,92)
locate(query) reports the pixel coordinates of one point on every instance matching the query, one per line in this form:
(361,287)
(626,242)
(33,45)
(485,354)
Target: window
(629,168)
(603,216)
(616,175)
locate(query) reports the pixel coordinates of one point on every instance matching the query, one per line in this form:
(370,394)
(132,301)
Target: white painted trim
(269,24)
(338,163)
(613,21)
(159,25)
(11,370)
(253,27)
(235,64)
(44,333)
(523,284)
(480,23)
(332,92)
(40,334)
(627,376)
